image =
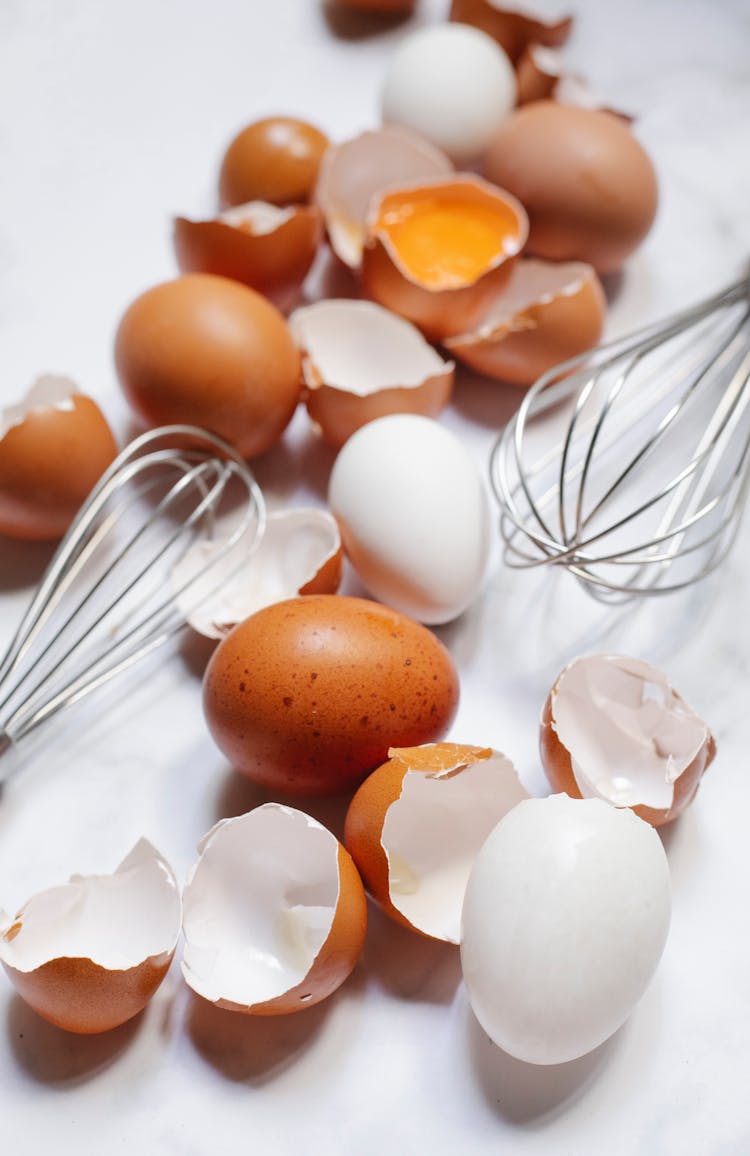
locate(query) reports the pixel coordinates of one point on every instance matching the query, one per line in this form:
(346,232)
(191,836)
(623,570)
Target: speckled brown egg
(308,695)
(275,159)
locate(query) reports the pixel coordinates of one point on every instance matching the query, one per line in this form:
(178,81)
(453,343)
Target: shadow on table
(23,563)
(53,1056)
(237,795)
(408,965)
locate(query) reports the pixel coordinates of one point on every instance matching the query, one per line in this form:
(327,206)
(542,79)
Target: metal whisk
(107,600)
(636,477)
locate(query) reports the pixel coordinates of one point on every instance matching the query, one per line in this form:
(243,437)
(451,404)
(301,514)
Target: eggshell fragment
(414,515)
(541,75)
(416,824)
(299,553)
(275,159)
(353,172)
(308,695)
(514,26)
(588,186)
(275,913)
(360,362)
(613,727)
(268,248)
(547,313)
(565,918)
(89,955)
(54,447)
(437,252)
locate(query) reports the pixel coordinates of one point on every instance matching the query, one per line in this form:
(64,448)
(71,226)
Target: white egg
(413,514)
(565,918)
(452,84)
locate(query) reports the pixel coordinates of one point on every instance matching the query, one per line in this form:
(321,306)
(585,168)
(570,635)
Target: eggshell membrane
(354,172)
(439,312)
(416,824)
(300,552)
(207,351)
(654,784)
(54,447)
(565,919)
(264,247)
(289,893)
(588,186)
(308,695)
(42,950)
(548,312)
(361,362)
(275,159)
(513,26)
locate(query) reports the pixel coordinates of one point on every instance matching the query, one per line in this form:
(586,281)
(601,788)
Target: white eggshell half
(565,918)
(414,515)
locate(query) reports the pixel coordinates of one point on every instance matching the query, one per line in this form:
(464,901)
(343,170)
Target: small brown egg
(513,26)
(210,352)
(587,184)
(275,160)
(54,447)
(436,252)
(308,695)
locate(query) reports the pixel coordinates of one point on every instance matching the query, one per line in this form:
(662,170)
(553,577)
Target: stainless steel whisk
(107,598)
(636,478)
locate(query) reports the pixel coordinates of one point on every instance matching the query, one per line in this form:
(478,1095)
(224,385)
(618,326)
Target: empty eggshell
(268,248)
(565,918)
(548,312)
(613,727)
(514,26)
(89,955)
(414,515)
(275,913)
(438,251)
(299,552)
(275,159)
(353,172)
(360,362)
(416,824)
(54,447)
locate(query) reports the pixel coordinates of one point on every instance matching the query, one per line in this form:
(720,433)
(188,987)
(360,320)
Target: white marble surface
(112,117)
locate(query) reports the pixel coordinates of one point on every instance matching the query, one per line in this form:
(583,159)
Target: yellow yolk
(445,244)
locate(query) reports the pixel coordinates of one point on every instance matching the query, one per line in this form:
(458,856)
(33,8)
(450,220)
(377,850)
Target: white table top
(112,118)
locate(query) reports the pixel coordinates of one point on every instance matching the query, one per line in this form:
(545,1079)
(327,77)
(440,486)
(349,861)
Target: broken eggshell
(360,362)
(353,172)
(275,913)
(612,727)
(541,75)
(416,824)
(299,552)
(54,446)
(268,248)
(514,26)
(89,955)
(547,313)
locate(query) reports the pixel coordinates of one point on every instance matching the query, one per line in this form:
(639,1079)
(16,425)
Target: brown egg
(379,6)
(210,352)
(54,447)
(308,695)
(513,26)
(275,159)
(587,184)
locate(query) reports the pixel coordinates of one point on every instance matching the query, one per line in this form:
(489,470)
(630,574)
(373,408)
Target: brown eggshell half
(269,249)
(308,695)
(558,767)
(547,313)
(54,447)
(275,159)
(439,313)
(512,26)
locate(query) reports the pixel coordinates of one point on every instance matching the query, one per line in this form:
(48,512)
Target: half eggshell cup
(416,824)
(437,252)
(613,728)
(89,955)
(275,913)
(547,313)
(299,552)
(361,362)
(265,247)
(514,26)
(355,171)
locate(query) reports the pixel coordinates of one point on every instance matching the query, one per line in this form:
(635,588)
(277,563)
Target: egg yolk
(445,244)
